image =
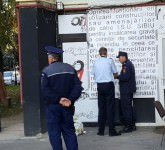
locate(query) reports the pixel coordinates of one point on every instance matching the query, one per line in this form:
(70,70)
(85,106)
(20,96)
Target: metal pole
(15,75)
(0,124)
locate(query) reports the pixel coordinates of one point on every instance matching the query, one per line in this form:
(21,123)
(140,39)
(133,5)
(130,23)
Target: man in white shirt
(105,71)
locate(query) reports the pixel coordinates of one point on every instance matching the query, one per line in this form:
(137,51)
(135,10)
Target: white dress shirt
(103,70)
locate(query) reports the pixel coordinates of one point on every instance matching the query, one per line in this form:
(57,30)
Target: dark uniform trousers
(127,88)
(60,120)
(106,105)
(128,114)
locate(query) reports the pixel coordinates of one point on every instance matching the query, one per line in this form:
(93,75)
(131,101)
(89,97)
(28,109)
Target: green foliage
(14,93)
(8,27)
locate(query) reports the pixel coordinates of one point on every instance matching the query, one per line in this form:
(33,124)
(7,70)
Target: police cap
(122,54)
(53,50)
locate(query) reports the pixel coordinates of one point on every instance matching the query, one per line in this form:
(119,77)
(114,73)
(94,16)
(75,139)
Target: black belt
(105,83)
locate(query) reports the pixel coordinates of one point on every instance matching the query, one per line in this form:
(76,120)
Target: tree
(8,29)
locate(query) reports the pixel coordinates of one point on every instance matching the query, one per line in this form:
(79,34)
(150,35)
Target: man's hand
(65,102)
(115,75)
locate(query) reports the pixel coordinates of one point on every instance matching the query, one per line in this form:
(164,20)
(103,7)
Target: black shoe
(99,133)
(127,130)
(134,128)
(114,133)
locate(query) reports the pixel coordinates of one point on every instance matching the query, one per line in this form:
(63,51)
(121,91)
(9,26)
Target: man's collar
(104,56)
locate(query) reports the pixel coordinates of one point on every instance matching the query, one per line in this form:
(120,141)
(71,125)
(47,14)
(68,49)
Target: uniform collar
(54,62)
(125,62)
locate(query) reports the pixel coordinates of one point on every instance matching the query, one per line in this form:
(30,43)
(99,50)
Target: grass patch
(14,93)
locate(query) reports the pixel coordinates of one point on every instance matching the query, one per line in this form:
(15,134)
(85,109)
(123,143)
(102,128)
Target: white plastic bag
(78,126)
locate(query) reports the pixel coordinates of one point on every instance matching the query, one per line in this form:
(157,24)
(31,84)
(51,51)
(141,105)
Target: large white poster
(132,30)
(76,54)
(135,30)
(72,24)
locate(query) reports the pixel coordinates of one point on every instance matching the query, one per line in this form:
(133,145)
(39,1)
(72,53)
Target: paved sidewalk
(145,138)
(136,141)
(12,128)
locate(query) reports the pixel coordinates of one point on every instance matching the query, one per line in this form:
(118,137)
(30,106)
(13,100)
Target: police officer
(104,71)
(127,88)
(60,89)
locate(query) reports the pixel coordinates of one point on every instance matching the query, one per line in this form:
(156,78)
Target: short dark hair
(103,51)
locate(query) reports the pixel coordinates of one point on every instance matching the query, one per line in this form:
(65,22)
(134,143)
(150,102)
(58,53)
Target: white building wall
(114,2)
(149,22)
(93,3)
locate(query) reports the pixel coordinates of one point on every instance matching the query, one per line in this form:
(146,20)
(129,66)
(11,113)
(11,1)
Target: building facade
(81,28)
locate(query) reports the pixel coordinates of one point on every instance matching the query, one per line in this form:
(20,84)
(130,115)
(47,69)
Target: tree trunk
(3,94)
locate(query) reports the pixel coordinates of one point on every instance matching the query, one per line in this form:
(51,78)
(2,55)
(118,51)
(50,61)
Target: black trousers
(127,109)
(106,106)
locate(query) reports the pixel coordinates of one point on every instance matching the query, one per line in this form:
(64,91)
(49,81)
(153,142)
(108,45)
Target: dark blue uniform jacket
(60,80)
(127,78)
